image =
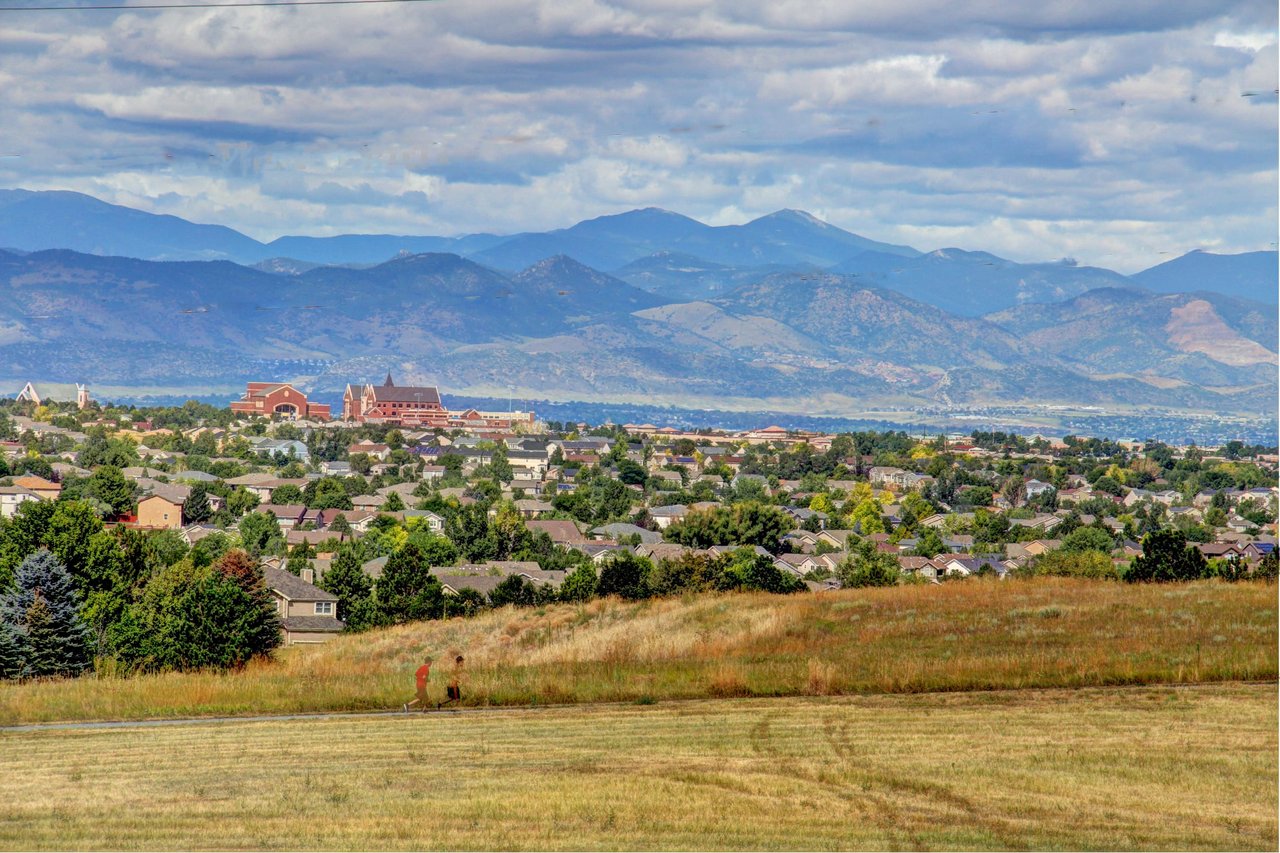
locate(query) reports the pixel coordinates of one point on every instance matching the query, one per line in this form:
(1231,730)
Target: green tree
(865,566)
(197,509)
(407,590)
(299,558)
(108,485)
(579,584)
(286,495)
(192,618)
(1167,557)
(393,503)
(632,473)
(43,610)
(929,544)
(626,575)
(260,533)
(354,588)
(1088,539)
(515,590)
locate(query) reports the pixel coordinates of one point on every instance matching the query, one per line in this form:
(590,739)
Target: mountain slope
(67,220)
(1202,339)
(1252,275)
(976,283)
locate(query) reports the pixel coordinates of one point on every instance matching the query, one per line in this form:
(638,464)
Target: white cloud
(1033,130)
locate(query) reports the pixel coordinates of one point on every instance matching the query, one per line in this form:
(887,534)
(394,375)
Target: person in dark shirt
(454,689)
(421,676)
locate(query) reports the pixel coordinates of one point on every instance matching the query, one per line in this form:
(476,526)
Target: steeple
(388,383)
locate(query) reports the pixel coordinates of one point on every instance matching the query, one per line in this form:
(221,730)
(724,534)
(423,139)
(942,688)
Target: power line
(236,5)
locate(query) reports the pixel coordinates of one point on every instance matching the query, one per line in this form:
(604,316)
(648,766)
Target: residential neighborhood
(499,511)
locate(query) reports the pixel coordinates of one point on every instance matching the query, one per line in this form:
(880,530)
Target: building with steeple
(389,403)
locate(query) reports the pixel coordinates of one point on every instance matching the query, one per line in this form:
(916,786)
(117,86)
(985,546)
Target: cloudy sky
(1119,133)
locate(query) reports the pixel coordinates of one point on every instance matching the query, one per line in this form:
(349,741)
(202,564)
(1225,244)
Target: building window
(324,608)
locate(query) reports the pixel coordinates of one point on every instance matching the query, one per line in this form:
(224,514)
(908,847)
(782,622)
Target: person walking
(421,676)
(454,689)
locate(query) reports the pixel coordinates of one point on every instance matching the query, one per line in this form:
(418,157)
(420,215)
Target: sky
(1121,134)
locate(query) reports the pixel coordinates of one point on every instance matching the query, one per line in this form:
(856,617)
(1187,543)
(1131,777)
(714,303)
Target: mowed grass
(976,635)
(1095,768)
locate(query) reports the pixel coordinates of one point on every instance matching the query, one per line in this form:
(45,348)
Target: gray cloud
(1034,130)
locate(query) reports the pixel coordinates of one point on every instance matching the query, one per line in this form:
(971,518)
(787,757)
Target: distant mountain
(1201,339)
(976,283)
(794,341)
(67,220)
(787,239)
(675,275)
(606,242)
(375,248)
(1251,275)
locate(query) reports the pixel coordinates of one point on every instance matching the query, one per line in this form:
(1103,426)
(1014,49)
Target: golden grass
(1049,632)
(1094,768)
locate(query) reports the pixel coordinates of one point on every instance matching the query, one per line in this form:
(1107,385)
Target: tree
(354,588)
(300,558)
(197,509)
(632,473)
(516,590)
(43,610)
(286,495)
(407,590)
(865,566)
(1088,539)
(626,575)
(327,493)
(929,544)
(108,485)
(1167,557)
(1075,564)
(393,503)
(23,535)
(260,533)
(341,526)
(186,617)
(579,584)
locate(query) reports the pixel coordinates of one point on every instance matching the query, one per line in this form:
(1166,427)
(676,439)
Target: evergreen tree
(393,503)
(13,644)
(347,580)
(300,558)
(407,590)
(45,607)
(197,508)
(1167,557)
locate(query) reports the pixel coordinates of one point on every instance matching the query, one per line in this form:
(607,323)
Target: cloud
(1033,130)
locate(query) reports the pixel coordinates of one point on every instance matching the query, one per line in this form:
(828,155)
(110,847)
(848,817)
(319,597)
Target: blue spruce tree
(42,613)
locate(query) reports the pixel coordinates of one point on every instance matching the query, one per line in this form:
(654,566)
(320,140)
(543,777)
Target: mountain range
(801,341)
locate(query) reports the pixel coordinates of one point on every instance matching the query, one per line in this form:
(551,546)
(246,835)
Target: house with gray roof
(308,614)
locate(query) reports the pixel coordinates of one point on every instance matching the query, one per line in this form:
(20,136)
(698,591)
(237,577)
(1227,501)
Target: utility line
(234,5)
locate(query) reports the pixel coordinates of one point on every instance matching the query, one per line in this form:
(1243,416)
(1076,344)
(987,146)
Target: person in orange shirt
(423,673)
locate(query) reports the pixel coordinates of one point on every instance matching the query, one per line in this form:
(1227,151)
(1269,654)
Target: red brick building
(275,398)
(388,403)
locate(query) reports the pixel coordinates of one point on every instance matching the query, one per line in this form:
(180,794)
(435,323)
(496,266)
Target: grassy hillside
(1190,768)
(959,636)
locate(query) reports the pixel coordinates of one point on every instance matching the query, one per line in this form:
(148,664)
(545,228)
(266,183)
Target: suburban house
(11,497)
(44,489)
(275,398)
(161,509)
(308,614)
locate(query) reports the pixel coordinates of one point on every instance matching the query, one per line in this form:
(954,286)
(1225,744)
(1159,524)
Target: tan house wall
(157,512)
(303,637)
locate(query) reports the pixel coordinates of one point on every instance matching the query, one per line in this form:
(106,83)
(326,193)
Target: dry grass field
(978,635)
(1094,768)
